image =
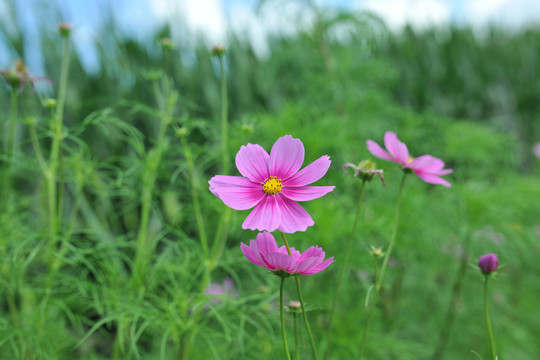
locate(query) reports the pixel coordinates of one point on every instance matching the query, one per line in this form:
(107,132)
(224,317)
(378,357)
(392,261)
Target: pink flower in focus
(427,167)
(272,184)
(263,251)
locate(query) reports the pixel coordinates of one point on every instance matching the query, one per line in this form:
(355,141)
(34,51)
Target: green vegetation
(109,235)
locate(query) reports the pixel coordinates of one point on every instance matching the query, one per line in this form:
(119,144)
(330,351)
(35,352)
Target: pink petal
(255,248)
(313,251)
(320,267)
(266,243)
(376,150)
(248,252)
(310,173)
(308,264)
(293,217)
(425,162)
(236,192)
(280,261)
(433,179)
(294,253)
(252,162)
(286,157)
(306,193)
(396,148)
(265,216)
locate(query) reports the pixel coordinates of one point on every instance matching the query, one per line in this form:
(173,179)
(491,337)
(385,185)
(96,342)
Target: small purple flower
(488,263)
(224,290)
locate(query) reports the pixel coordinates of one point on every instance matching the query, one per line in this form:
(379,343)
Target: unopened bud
(218,50)
(181,131)
(247,128)
(64,28)
(294,305)
(488,263)
(166,43)
(49,103)
(377,252)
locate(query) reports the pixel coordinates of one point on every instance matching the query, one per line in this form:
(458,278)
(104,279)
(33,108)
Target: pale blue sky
(213,17)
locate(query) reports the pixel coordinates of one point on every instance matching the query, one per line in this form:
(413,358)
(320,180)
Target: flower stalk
(301,298)
(10,143)
(488,320)
(285,346)
(344,267)
(379,281)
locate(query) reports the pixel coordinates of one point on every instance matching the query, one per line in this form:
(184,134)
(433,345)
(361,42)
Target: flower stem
(308,328)
(299,290)
(195,197)
(371,311)
(224,120)
(393,238)
(10,144)
(296,342)
(222,228)
(54,195)
(344,267)
(285,346)
(488,321)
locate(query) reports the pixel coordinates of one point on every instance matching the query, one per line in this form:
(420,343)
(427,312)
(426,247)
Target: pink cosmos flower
(263,251)
(427,167)
(272,184)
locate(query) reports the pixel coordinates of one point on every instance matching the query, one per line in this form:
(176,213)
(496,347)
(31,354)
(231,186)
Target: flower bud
(49,103)
(64,28)
(488,263)
(166,43)
(218,50)
(294,305)
(377,252)
(181,131)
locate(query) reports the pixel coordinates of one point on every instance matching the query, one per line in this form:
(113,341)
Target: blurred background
(458,79)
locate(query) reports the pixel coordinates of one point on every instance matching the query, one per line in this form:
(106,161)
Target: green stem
(55,161)
(393,238)
(224,121)
(453,304)
(296,339)
(301,298)
(195,196)
(488,321)
(372,305)
(285,346)
(308,328)
(10,143)
(344,267)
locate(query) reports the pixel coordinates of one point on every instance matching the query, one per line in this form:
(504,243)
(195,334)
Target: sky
(215,18)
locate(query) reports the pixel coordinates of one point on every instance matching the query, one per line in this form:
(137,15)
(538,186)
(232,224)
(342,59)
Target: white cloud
(420,13)
(513,13)
(206,16)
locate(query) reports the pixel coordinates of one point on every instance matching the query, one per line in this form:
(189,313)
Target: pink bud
(488,263)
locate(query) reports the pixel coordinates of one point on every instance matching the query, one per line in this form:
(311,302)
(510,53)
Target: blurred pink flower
(427,167)
(263,251)
(224,290)
(488,263)
(272,184)
(536,150)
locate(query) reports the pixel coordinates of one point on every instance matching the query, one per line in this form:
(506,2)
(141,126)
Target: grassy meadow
(110,238)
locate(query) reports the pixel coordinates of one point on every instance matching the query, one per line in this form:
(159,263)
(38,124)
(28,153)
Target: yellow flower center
(272,185)
(410,159)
